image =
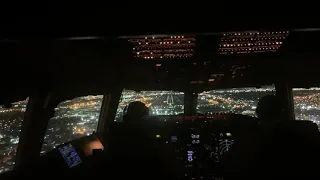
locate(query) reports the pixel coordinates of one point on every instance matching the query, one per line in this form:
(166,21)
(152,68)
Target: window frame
(39,109)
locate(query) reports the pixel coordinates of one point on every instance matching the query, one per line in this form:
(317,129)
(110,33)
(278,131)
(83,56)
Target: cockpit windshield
(234,100)
(158,102)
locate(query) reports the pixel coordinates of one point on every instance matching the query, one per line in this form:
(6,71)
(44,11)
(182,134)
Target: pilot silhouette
(269,109)
(135,112)
(132,148)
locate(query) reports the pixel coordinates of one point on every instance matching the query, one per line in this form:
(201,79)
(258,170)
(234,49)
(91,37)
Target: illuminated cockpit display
(174,139)
(225,145)
(190,156)
(70,155)
(225,142)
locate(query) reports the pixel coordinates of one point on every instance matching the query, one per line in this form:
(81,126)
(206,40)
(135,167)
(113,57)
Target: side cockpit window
(306,104)
(73,119)
(10,126)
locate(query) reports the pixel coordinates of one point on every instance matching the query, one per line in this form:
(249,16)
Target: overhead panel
(251,42)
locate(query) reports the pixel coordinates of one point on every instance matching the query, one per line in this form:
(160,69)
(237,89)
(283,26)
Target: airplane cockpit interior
(184,106)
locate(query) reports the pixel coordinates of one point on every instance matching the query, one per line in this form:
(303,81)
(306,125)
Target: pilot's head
(135,111)
(269,108)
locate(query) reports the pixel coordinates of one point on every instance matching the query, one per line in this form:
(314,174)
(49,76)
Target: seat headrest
(305,128)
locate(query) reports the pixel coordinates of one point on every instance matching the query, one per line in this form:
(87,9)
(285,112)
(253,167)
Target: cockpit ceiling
(161,47)
(188,61)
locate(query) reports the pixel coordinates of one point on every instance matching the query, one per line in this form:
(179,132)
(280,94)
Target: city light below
(79,116)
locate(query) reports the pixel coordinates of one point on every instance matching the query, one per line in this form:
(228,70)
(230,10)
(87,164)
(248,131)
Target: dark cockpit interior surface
(187,106)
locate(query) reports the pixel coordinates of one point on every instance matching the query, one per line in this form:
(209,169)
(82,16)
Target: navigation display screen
(70,155)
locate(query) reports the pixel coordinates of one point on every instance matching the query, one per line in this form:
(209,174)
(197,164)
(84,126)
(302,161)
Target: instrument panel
(198,143)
